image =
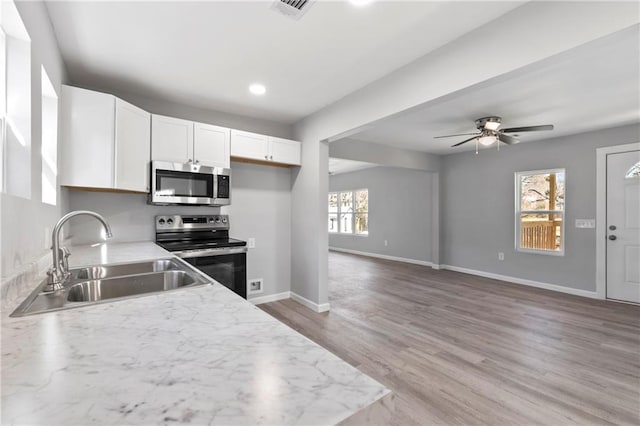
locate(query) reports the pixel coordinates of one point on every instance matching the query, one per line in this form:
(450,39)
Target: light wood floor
(460,349)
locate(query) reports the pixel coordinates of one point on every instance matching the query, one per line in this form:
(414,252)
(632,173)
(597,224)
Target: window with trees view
(349,212)
(540,205)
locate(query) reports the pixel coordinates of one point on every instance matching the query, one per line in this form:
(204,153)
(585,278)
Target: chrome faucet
(59,272)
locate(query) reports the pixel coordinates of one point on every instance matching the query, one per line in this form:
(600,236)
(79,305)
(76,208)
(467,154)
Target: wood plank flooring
(460,349)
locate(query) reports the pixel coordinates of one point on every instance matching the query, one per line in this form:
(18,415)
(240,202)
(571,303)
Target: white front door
(623,226)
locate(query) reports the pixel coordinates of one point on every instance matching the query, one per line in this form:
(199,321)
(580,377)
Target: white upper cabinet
(133,147)
(211,145)
(253,146)
(284,151)
(249,145)
(182,141)
(171,139)
(105,142)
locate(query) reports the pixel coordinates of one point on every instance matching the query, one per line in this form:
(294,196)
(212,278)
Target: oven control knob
(211,220)
(169,221)
(161,221)
(224,220)
(217,219)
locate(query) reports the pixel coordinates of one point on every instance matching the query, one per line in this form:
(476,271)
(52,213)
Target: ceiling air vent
(293,9)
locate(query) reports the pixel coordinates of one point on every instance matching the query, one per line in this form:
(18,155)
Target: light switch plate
(585,223)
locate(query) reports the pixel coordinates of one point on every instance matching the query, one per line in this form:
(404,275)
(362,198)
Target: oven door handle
(186,254)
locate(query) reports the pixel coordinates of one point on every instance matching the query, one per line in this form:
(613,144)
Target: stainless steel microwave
(189,184)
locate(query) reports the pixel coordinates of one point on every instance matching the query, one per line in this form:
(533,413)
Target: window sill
(349,235)
(543,252)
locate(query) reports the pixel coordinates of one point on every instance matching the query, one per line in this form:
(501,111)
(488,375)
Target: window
(349,212)
(16,102)
(49,151)
(633,172)
(540,205)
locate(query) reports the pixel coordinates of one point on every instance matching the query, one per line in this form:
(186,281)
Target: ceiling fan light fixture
(487,140)
(492,125)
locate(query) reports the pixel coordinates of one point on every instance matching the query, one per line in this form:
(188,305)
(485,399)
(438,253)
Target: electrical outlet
(501,256)
(251,243)
(255,286)
(386,243)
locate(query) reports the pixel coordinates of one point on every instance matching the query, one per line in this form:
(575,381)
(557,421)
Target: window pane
(346,223)
(362,201)
(541,231)
(362,223)
(542,191)
(333,202)
(346,202)
(333,223)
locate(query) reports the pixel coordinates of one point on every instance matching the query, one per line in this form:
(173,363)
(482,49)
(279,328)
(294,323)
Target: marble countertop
(200,355)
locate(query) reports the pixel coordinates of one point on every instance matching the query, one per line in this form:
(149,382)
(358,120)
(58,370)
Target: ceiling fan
(490,132)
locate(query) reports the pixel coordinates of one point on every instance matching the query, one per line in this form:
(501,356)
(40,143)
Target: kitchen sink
(112,288)
(107,283)
(110,271)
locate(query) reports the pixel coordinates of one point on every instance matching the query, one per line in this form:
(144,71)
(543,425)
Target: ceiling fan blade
(508,139)
(460,134)
(528,128)
(464,141)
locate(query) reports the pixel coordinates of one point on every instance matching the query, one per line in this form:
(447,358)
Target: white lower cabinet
(253,146)
(105,142)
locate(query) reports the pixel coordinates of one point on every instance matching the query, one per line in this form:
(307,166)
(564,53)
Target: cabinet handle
(190,161)
(197,161)
(266,157)
(271,157)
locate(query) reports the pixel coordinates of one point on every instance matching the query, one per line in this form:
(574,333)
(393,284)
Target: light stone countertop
(198,355)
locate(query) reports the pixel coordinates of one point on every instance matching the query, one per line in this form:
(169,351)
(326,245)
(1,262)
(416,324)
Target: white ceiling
(205,54)
(592,87)
(340,165)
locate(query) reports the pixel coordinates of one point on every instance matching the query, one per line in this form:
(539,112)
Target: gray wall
(352,149)
(400,211)
(261,209)
(478,207)
(25,222)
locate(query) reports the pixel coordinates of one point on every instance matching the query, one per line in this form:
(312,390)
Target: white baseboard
(309,304)
(530,283)
(386,257)
(270,298)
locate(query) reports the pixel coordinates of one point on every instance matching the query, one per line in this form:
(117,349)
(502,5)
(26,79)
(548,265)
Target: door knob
(612,237)
(612,227)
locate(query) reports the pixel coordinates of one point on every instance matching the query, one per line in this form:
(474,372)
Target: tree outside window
(349,212)
(540,206)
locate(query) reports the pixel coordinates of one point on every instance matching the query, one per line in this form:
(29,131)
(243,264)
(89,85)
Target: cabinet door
(211,145)
(249,145)
(133,147)
(87,125)
(171,139)
(284,151)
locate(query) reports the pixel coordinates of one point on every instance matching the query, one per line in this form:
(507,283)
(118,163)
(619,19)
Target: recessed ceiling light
(360,3)
(257,89)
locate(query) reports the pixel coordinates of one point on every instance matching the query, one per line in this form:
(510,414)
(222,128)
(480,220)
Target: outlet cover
(501,256)
(585,223)
(251,242)
(255,286)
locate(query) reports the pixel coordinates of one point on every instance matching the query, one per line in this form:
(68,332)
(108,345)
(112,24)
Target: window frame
(353,214)
(518,213)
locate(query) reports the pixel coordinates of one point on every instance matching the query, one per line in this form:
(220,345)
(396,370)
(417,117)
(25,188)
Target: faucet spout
(59,271)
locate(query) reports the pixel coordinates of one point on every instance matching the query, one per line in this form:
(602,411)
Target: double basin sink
(106,283)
